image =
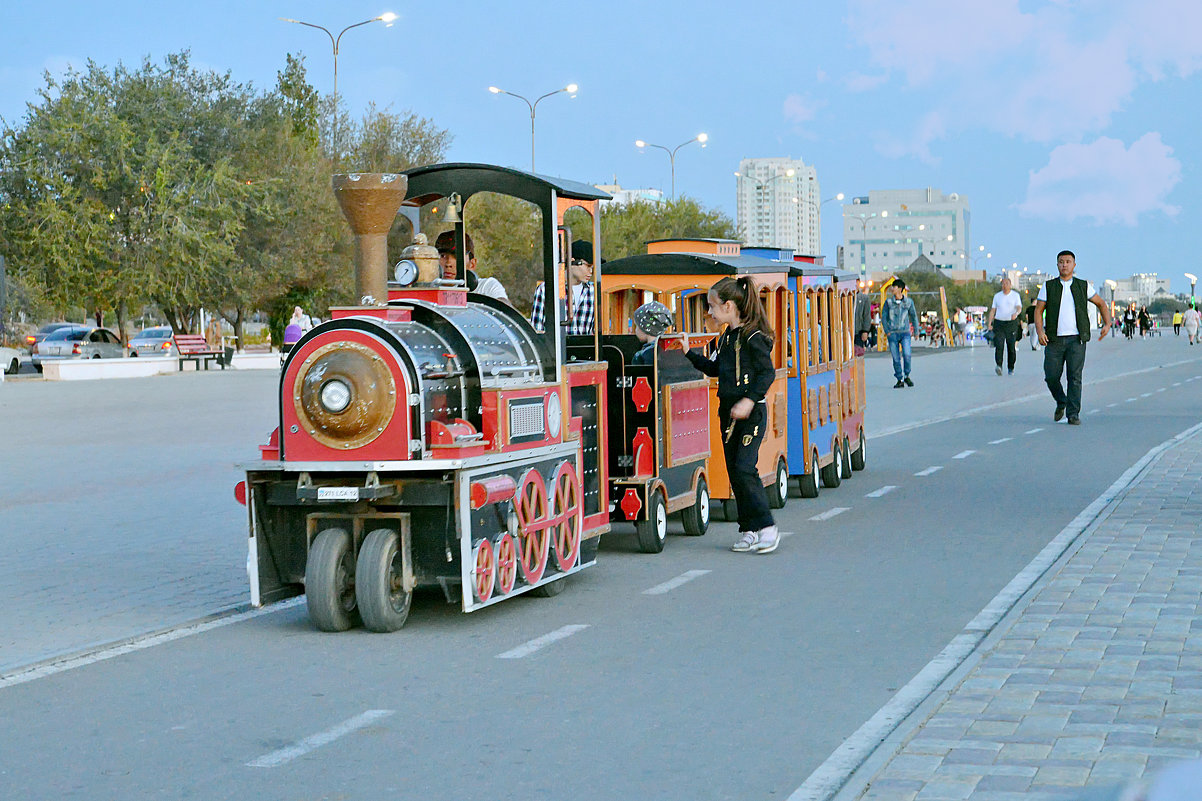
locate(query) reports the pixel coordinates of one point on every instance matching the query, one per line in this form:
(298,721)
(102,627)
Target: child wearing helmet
(650,320)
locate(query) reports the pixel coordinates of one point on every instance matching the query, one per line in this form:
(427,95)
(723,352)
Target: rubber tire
(808,481)
(13,368)
(730,510)
(832,474)
(653,531)
(382,610)
(696,518)
(778,490)
(327,609)
(846,458)
(551,589)
(859,455)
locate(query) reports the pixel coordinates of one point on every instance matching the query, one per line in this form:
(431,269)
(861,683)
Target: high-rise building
(778,204)
(887,230)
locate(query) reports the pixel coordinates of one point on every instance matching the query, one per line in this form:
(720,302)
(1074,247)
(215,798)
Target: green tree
(627,228)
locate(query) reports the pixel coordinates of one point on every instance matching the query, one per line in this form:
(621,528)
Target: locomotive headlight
(335,396)
(554,414)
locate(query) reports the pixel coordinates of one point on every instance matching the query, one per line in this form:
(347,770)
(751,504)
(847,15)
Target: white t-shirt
(1066,324)
(493,288)
(1007,305)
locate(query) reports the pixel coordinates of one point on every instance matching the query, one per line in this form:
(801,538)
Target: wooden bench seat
(194,348)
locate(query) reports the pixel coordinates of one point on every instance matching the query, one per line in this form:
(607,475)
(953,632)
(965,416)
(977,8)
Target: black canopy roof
(439,180)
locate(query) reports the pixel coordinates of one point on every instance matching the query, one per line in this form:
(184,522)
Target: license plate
(337,493)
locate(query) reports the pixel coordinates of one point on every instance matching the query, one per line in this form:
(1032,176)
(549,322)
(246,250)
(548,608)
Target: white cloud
(1104,181)
(800,109)
(1044,70)
(918,145)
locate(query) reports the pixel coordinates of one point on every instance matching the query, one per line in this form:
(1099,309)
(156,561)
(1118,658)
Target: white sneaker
(769,538)
(747,542)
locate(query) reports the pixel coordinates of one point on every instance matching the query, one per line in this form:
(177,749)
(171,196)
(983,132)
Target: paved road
(734,684)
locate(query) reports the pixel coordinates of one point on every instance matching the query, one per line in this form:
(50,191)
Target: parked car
(44,331)
(154,341)
(80,342)
(10,360)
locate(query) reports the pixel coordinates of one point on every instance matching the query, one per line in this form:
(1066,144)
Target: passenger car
(78,342)
(44,331)
(154,341)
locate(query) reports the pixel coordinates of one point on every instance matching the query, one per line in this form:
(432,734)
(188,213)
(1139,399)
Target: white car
(10,360)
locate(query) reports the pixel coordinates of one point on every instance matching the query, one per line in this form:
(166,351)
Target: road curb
(846,772)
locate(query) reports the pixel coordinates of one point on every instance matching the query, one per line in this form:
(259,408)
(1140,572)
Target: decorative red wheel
(565,516)
(507,564)
(533,536)
(485,573)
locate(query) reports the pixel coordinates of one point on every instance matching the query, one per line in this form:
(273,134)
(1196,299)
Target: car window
(77,336)
(109,337)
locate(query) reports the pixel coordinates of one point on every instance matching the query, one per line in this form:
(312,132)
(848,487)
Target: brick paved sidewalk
(1096,681)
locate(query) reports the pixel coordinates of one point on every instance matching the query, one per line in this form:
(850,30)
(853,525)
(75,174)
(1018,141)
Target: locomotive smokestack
(369,201)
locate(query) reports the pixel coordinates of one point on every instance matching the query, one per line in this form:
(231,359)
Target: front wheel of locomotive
(380,582)
(654,530)
(330,581)
(696,518)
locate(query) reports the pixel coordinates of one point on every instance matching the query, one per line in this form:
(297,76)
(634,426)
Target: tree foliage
(627,228)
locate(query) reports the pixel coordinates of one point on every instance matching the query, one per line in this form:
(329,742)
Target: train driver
(445,245)
(580,279)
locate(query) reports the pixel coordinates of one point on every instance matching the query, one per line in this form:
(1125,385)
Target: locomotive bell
(369,201)
(425,256)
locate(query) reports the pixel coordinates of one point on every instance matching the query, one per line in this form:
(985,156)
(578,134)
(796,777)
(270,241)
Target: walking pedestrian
(1061,305)
(1145,321)
(863,321)
(1177,319)
(743,364)
(1130,316)
(899,318)
(1191,320)
(1003,319)
(1032,334)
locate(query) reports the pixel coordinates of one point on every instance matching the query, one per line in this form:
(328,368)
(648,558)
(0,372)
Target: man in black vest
(1061,305)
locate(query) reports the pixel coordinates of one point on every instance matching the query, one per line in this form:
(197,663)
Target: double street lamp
(817,207)
(571,89)
(863,219)
(700,138)
(387,18)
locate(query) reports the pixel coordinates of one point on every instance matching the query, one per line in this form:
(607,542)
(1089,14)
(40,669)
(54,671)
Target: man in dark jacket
(1061,305)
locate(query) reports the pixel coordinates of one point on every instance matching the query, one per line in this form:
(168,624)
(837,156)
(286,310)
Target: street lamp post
(387,18)
(863,219)
(817,207)
(1113,286)
(1193,281)
(700,138)
(571,89)
(761,185)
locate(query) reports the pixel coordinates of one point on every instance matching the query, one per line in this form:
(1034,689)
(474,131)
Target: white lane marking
(1176,383)
(837,770)
(1161,389)
(829,513)
(963,454)
(1000,441)
(541,642)
(671,584)
(1146,395)
(1033,431)
(1093,411)
(313,742)
(1111,405)
(22,675)
(929,470)
(784,534)
(885,490)
(1130,400)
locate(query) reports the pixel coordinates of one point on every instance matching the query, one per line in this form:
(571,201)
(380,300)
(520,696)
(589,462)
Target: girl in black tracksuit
(742,361)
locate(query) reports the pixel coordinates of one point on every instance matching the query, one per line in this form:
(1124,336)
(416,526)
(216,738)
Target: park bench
(194,348)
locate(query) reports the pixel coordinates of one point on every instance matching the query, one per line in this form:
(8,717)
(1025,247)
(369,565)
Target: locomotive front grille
(526,420)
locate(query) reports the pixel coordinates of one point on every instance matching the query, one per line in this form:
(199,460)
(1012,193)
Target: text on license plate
(337,493)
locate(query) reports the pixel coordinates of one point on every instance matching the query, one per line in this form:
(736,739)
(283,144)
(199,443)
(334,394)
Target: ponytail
(746,298)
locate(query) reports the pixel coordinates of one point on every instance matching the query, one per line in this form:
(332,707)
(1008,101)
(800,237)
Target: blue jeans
(899,349)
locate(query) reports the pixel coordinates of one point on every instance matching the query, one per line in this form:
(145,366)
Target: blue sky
(1065,124)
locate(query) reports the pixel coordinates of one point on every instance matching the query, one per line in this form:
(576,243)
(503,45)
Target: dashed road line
(1130,400)
(671,584)
(829,513)
(1111,405)
(1146,395)
(963,454)
(313,742)
(1033,431)
(539,643)
(1000,441)
(929,470)
(1161,389)
(1093,411)
(1176,383)
(885,490)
